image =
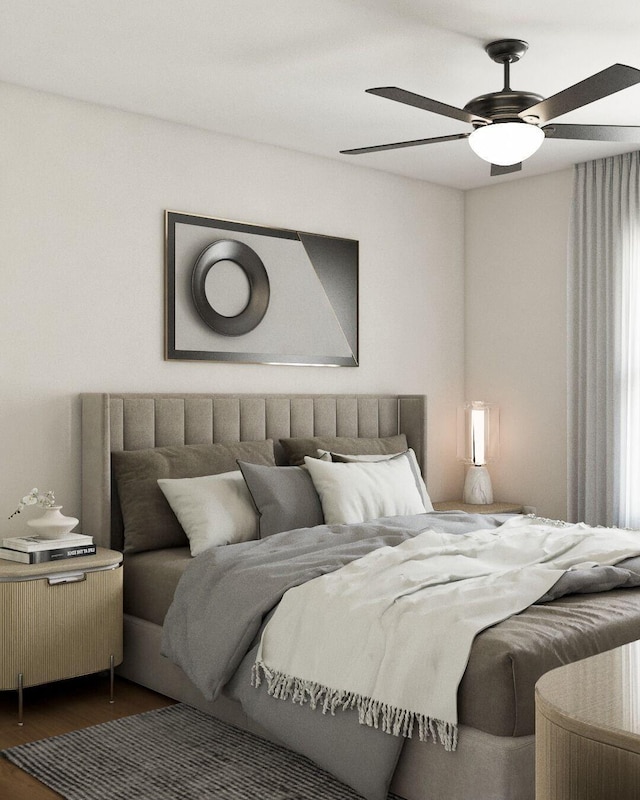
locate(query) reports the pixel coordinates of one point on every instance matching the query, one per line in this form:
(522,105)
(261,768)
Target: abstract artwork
(254,294)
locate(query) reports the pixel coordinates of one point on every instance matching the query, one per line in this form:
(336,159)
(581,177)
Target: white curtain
(604,343)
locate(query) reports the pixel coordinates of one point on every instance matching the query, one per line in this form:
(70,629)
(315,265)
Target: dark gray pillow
(296,449)
(285,497)
(149,522)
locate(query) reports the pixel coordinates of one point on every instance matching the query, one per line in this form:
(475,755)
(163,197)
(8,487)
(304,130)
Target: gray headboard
(114,422)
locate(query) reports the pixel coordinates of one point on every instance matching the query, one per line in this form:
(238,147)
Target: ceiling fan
(506,124)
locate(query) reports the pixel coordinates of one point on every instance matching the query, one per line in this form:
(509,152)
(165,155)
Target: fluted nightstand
(59,620)
(588,728)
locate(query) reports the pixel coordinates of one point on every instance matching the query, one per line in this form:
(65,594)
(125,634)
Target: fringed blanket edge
(371,712)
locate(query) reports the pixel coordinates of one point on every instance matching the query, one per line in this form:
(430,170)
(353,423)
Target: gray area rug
(173,753)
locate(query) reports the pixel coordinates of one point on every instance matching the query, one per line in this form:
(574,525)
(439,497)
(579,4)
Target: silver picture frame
(239,292)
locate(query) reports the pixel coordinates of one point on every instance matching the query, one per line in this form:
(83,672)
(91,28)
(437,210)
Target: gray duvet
(226,594)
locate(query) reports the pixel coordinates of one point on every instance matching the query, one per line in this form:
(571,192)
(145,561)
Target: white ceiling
(293,72)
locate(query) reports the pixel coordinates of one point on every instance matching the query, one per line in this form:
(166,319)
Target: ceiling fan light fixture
(506,123)
(506,143)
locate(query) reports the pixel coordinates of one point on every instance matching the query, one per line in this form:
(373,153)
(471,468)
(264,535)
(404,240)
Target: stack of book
(37,549)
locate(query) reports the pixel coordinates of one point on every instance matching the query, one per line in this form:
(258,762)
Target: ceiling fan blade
(397,145)
(611,80)
(594,133)
(497,169)
(425,103)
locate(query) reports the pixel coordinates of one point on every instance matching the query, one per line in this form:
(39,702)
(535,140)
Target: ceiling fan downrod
(507,103)
(506,52)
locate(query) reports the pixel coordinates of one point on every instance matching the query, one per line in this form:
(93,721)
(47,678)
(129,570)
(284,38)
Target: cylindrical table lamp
(478,443)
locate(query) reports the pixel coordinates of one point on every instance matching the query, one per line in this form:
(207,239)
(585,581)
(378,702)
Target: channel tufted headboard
(114,422)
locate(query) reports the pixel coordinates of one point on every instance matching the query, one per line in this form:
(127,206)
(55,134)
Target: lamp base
(477,487)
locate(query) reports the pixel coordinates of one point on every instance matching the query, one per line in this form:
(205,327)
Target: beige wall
(82,196)
(515,340)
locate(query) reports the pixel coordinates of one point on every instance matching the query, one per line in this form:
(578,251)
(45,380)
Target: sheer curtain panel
(604,343)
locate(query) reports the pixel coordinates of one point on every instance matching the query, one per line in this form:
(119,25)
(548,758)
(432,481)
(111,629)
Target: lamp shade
(478,433)
(506,143)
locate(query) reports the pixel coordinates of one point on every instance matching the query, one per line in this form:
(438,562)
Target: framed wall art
(253,294)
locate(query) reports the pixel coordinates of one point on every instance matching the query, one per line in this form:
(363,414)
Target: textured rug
(173,753)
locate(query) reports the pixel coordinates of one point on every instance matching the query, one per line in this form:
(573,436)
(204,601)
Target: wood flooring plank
(18,785)
(58,708)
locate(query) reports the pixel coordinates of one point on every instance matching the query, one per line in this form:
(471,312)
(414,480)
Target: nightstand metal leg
(20,699)
(111,678)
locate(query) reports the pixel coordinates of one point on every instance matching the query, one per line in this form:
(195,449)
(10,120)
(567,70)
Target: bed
(494,759)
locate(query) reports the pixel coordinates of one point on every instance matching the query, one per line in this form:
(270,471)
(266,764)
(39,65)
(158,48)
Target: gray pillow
(285,497)
(296,449)
(149,522)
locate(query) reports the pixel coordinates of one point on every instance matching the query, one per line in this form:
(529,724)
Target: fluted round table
(588,728)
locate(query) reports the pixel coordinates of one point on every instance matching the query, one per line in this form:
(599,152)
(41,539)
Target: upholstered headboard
(114,422)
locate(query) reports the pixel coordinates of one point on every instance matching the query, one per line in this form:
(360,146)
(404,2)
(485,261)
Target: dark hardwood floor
(57,708)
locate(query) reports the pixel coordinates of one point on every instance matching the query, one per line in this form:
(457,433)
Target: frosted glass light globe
(506,143)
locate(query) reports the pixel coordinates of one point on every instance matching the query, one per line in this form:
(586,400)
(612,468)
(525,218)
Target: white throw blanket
(391,632)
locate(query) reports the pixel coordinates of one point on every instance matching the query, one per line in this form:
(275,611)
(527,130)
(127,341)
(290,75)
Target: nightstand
(489,508)
(59,620)
(588,728)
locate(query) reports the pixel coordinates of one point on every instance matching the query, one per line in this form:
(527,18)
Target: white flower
(35,498)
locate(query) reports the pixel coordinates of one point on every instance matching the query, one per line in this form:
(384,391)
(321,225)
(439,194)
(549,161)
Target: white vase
(52,524)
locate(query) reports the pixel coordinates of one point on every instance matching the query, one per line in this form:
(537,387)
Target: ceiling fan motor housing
(502,106)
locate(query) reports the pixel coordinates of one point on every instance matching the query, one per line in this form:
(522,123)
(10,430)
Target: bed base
(484,767)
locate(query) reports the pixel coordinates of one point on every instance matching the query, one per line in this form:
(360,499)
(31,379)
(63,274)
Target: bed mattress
(150,581)
(496,694)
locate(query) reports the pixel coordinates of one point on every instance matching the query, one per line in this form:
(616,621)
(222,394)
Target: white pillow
(413,462)
(364,490)
(213,510)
